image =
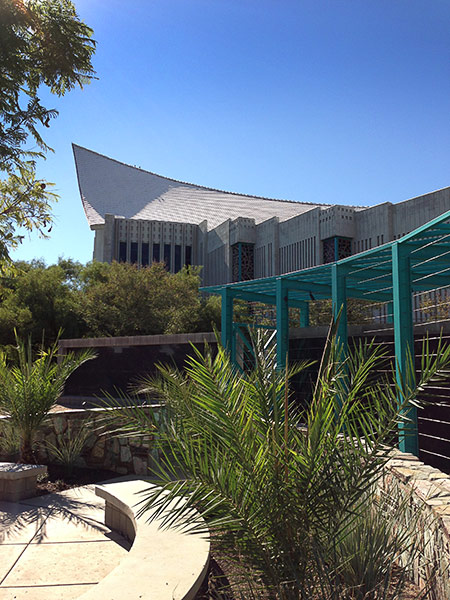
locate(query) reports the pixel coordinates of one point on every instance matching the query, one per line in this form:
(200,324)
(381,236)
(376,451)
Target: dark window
(188,256)
(122,252)
(144,259)
(156,253)
(177,258)
(133,252)
(167,256)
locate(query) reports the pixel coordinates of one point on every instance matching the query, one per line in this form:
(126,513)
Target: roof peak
(195,185)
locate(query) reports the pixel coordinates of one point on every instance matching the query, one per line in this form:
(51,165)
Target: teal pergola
(417,262)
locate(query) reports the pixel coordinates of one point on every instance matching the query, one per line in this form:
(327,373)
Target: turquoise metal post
(282,322)
(339,303)
(227,319)
(390,312)
(404,340)
(239,261)
(304,314)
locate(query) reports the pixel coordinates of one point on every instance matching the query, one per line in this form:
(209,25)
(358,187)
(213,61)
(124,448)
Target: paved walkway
(56,547)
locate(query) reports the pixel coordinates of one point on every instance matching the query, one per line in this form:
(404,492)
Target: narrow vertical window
(122,252)
(145,256)
(156,253)
(188,255)
(177,265)
(167,256)
(133,252)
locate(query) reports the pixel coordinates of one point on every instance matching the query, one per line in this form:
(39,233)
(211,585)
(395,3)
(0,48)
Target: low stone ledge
(162,564)
(18,481)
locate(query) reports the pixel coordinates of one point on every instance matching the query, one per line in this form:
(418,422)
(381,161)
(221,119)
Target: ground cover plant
(287,493)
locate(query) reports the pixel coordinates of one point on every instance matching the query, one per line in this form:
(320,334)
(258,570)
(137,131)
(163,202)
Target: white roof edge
(194,185)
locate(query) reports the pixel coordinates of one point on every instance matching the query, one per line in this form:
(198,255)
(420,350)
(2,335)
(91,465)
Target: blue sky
(336,101)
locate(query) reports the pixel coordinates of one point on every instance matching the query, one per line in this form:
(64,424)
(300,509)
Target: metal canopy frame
(417,262)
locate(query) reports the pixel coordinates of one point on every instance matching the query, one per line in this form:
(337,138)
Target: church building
(141,217)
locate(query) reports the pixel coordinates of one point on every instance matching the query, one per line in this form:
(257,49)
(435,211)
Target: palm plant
(69,445)
(31,387)
(282,489)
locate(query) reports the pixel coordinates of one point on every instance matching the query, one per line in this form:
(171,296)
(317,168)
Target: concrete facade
(141,217)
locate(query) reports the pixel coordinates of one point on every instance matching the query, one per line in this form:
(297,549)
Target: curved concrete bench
(162,564)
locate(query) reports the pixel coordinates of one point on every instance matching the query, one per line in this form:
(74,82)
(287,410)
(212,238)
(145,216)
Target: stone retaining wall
(427,490)
(122,455)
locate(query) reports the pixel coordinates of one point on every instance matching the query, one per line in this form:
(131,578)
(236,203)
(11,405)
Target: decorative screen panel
(336,248)
(328,250)
(242,262)
(344,247)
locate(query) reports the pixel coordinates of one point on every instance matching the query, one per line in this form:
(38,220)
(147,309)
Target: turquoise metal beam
(304,314)
(439,271)
(433,251)
(326,291)
(404,341)
(227,318)
(282,323)
(375,295)
(307,286)
(427,227)
(265,298)
(339,303)
(255,297)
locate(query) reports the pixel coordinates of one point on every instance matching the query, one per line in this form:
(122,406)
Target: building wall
(410,214)
(373,227)
(217,257)
(299,242)
(267,236)
(278,247)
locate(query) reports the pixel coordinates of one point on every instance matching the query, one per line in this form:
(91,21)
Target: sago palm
(281,488)
(29,388)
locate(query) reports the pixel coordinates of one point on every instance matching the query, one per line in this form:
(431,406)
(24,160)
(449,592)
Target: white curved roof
(111,187)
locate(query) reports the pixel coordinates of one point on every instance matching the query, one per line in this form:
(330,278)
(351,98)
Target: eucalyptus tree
(42,45)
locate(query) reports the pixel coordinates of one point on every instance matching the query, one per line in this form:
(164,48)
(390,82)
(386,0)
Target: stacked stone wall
(123,456)
(426,492)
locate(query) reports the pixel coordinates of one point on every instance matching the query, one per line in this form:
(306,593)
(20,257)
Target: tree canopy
(100,299)
(42,45)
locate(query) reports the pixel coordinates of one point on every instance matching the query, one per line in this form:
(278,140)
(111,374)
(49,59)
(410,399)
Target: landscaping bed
(58,480)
